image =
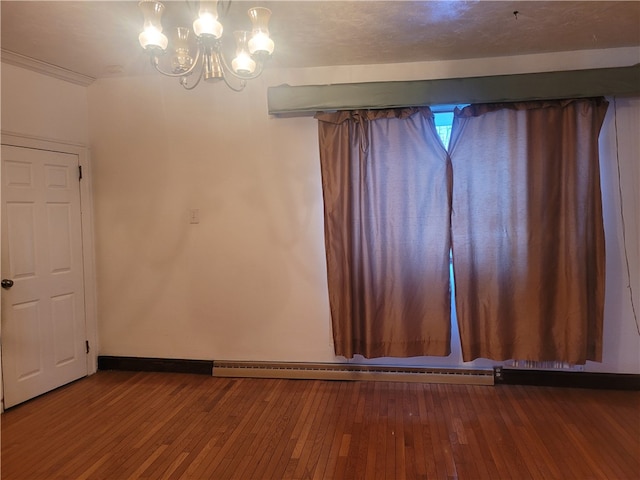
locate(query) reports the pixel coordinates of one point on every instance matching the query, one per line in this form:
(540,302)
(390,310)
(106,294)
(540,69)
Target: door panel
(21,217)
(26,325)
(43,321)
(60,244)
(64,334)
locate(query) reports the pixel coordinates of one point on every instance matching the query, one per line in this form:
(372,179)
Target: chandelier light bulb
(152,37)
(260,42)
(207,24)
(242,64)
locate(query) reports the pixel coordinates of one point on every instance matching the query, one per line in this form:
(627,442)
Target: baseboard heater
(341,371)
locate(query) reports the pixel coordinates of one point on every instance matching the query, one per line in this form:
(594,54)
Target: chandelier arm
(155,63)
(243,84)
(226,8)
(192,7)
(228,69)
(183,81)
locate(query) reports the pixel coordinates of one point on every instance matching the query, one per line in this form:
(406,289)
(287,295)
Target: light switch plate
(194,216)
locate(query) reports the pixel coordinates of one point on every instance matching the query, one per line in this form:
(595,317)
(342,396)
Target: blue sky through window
(444,121)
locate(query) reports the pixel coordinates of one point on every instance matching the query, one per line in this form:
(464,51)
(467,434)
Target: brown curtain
(386,186)
(528,238)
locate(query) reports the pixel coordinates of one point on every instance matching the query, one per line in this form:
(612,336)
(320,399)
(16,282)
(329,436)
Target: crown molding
(18,60)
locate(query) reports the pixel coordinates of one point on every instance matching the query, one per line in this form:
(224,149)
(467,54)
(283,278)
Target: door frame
(88,241)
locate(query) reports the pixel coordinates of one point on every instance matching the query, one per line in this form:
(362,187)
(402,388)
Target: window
(389,225)
(444,122)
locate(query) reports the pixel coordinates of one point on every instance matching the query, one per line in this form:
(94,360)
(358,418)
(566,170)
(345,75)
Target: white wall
(620,147)
(249,281)
(40,106)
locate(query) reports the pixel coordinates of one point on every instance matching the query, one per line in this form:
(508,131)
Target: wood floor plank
(349,431)
(323,430)
(294,405)
(304,447)
(276,421)
(121,425)
(335,447)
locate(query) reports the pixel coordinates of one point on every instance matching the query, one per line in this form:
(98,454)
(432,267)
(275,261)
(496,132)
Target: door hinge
(87,345)
(79,172)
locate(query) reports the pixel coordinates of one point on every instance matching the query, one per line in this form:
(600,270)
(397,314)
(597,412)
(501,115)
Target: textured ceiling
(98,38)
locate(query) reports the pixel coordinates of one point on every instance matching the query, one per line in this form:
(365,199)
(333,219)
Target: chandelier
(252,48)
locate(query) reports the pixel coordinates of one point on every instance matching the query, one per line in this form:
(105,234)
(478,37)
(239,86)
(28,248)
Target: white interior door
(43,318)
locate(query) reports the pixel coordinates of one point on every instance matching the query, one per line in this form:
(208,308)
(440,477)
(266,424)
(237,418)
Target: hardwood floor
(122,425)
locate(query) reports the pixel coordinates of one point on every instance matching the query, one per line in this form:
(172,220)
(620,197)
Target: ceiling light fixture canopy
(252,48)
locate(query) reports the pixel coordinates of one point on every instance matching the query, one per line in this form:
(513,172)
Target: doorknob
(6,283)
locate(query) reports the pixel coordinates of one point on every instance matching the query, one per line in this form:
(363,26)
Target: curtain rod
(286,100)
